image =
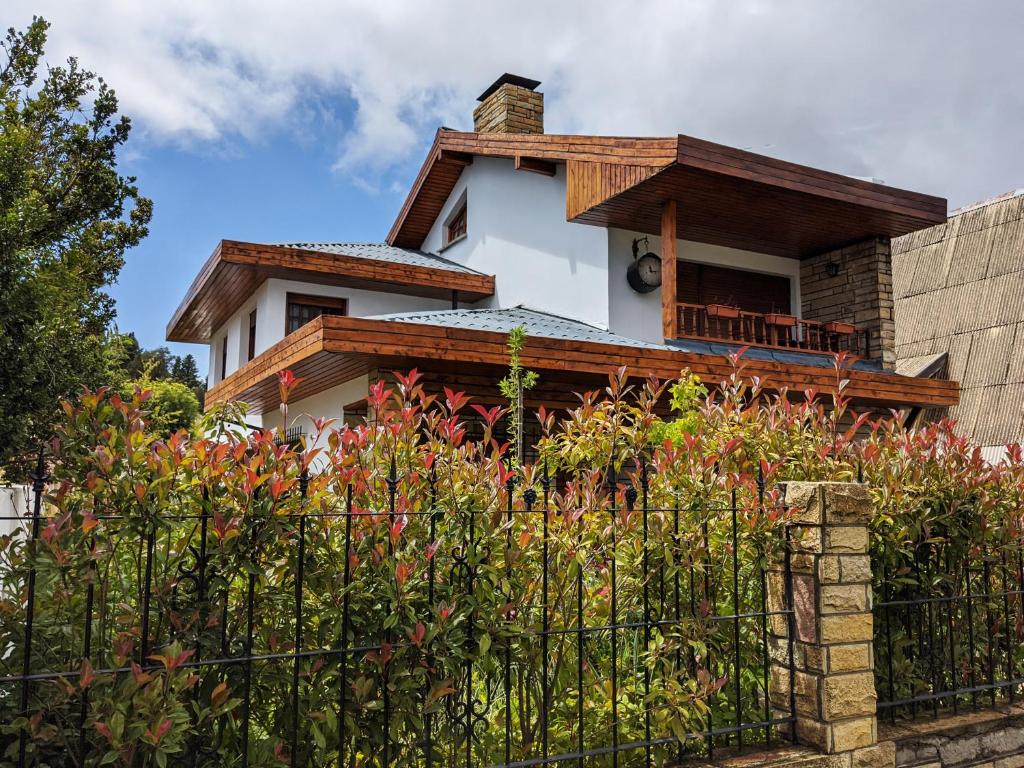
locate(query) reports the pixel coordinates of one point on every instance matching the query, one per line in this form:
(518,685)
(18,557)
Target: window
(750,291)
(456,221)
(456,225)
(302,309)
(252,335)
(223,358)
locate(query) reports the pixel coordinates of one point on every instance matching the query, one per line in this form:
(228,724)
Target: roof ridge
(987,202)
(313,245)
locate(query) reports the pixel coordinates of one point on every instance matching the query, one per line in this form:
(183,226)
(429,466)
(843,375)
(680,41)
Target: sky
(307,120)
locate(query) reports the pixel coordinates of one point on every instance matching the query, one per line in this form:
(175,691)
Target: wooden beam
(459,158)
(333,349)
(669,314)
(535,165)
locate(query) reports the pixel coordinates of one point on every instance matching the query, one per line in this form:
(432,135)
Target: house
(654,253)
(959,290)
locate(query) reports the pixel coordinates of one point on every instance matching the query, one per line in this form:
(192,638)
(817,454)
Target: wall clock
(644,273)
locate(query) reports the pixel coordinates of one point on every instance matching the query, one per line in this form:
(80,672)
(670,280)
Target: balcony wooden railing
(721,323)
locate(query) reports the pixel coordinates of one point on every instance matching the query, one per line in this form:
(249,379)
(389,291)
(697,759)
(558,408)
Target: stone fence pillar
(832,657)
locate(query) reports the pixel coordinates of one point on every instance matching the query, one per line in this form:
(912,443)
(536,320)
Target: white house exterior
(509,222)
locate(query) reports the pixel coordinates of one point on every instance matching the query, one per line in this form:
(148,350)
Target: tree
(66,219)
(186,371)
(171,405)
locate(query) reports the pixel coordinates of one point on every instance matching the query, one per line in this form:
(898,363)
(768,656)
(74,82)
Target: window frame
(458,216)
(338,305)
(251,351)
(223,358)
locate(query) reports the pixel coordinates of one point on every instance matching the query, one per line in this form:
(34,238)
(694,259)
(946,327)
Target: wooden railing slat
(754,329)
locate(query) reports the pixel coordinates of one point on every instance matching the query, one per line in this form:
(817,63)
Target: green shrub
(408,553)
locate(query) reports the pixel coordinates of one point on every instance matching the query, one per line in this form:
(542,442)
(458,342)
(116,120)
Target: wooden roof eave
(217,291)
(349,342)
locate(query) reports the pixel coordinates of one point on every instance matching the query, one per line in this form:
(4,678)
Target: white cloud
(921,93)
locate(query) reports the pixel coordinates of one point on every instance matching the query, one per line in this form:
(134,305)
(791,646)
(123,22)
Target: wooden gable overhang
(331,350)
(236,269)
(724,196)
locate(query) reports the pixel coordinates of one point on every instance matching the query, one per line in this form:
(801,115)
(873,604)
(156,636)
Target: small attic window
(455,225)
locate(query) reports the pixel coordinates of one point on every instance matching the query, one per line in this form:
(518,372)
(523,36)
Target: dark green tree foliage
(66,218)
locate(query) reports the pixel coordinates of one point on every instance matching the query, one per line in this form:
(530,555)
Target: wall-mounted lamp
(832,269)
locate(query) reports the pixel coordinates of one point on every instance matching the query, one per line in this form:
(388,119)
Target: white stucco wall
(639,315)
(328,404)
(270,301)
(516,230)
(15,502)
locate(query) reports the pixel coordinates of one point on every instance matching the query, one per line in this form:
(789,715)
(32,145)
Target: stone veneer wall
(990,738)
(860,294)
(510,109)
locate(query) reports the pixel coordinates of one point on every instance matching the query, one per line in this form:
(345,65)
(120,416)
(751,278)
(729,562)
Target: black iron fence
(531,632)
(949,619)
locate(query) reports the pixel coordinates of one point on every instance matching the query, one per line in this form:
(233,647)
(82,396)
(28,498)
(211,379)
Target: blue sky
(274,190)
(263,120)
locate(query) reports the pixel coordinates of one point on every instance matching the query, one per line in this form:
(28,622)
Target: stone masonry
(988,738)
(510,109)
(861,293)
(832,649)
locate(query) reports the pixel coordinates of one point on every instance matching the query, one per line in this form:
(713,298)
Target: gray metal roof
(384,252)
(536,323)
(787,356)
(551,326)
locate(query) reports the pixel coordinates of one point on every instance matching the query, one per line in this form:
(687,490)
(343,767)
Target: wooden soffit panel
(734,198)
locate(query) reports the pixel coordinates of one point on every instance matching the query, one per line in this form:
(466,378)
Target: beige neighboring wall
(959,289)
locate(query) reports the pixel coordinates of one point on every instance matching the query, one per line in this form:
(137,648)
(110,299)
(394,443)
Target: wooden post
(669,312)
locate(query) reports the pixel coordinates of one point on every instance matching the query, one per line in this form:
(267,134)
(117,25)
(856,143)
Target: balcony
(720,322)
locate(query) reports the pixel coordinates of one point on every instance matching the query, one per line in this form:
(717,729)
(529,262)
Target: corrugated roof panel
(978,316)
(384,252)
(990,353)
(1007,249)
(504,320)
(959,349)
(1015,365)
(970,257)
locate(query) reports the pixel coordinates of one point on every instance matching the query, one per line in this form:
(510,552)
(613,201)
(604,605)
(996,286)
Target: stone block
(848,695)
(846,503)
(847,628)
(813,657)
(828,569)
(806,539)
(855,568)
(960,750)
(805,688)
(881,755)
(804,502)
(849,658)
(1003,741)
(804,606)
(846,539)
(843,598)
(853,734)
(814,733)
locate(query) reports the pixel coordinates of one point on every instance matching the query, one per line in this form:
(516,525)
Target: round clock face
(644,274)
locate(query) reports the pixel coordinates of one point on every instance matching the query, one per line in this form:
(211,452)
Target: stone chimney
(510,105)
